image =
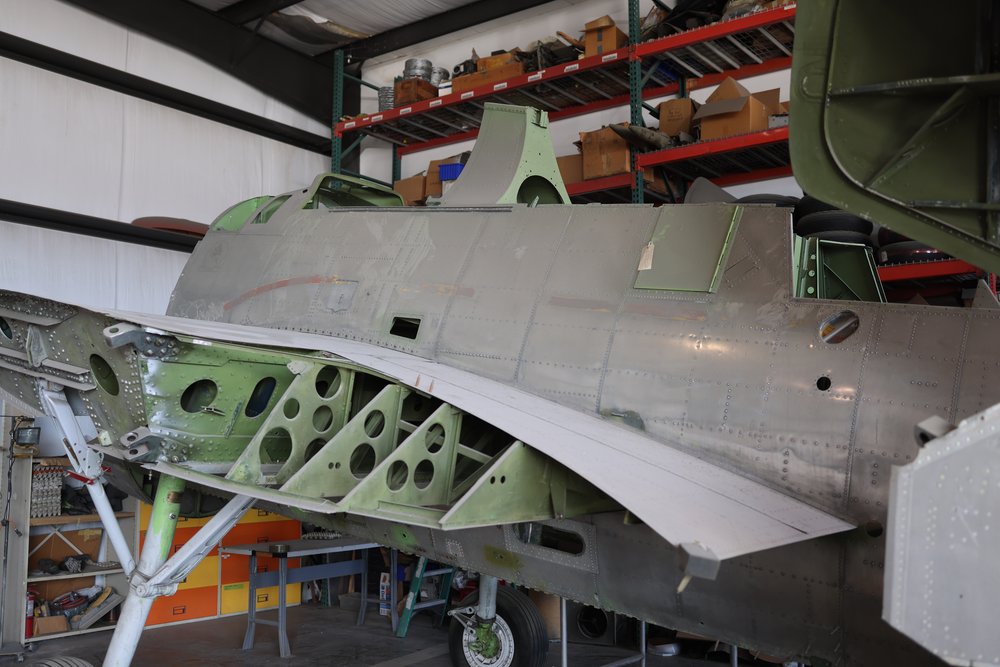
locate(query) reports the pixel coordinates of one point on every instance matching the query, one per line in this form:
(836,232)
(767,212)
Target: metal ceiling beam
(88,225)
(245,11)
(290,77)
(433,26)
(66,64)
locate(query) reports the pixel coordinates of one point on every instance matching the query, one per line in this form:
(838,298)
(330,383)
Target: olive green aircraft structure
(627,406)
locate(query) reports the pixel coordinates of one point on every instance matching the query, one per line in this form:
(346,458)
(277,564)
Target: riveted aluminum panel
(941,585)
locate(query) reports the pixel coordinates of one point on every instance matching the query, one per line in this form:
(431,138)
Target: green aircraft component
(897,132)
(498,174)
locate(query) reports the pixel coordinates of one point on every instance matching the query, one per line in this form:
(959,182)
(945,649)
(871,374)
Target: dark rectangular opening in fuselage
(405,327)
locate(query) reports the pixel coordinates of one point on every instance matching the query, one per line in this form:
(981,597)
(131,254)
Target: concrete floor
(318,636)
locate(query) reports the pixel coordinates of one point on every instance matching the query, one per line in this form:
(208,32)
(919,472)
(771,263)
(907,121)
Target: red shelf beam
(917,270)
(599,184)
(714,31)
(703,148)
(645,50)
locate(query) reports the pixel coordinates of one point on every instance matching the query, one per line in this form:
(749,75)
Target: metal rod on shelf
(791,27)
(538,99)
(585,84)
(742,47)
(380,137)
(722,54)
(774,40)
(684,64)
(472,119)
(354,145)
(361,81)
(423,127)
(703,58)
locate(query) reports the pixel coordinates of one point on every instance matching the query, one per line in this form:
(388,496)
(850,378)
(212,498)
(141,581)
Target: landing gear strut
(497,627)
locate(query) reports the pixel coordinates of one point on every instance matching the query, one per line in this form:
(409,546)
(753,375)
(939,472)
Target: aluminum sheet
(685,500)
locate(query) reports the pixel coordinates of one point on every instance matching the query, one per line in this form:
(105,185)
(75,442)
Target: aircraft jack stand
(155,574)
(640,657)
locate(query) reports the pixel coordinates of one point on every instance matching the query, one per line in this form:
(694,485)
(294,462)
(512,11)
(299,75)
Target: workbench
(282,551)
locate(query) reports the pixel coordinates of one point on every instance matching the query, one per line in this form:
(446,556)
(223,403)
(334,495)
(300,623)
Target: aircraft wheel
(519,629)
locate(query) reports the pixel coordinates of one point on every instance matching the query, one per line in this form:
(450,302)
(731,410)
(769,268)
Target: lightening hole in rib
(823,383)
(328,382)
(276,446)
(362,460)
(322,418)
(423,474)
(106,379)
(260,397)
(396,477)
(549,537)
(374,423)
(291,409)
(434,438)
(5,329)
(198,395)
(313,448)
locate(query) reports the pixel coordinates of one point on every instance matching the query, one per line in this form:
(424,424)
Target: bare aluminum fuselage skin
(543,299)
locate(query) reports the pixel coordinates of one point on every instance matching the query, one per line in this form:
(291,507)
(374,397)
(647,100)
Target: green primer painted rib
(892,120)
(337,468)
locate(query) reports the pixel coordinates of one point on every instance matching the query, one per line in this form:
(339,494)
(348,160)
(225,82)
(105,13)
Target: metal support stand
(87,464)
(397,164)
(336,145)
(487,609)
(135,610)
(635,82)
(156,575)
(734,655)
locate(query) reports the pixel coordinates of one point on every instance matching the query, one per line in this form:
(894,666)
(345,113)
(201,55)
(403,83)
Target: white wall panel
(88,271)
(61,140)
(66,28)
(180,165)
(145,277)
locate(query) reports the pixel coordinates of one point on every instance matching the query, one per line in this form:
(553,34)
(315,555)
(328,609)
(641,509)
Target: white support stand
(87,463)
(165,576)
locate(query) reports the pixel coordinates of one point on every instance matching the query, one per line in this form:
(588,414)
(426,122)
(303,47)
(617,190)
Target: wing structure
(326,425)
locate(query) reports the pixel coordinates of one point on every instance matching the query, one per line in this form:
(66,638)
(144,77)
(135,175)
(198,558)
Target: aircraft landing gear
(497,627)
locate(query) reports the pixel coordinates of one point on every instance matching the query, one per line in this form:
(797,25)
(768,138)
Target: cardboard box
(732,110)
(408,91)
(602,36)
(432,182)
(412,189)
(677,115)
(571,168)
(460,84)
(50,625)
(548,607)
(604,154)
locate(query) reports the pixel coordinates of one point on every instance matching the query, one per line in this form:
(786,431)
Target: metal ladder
(413,604)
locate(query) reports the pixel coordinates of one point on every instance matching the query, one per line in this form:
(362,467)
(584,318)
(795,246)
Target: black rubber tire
(843,237)
(61,661)
(808,205)
(784,201)
(531,641)
(908,251)
(886,236)
(830,221)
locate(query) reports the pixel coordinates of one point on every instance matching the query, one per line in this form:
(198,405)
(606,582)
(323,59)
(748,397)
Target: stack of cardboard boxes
(730,110)
(415,189)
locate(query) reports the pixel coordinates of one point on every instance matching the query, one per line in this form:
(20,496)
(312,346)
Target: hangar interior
(523,334)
